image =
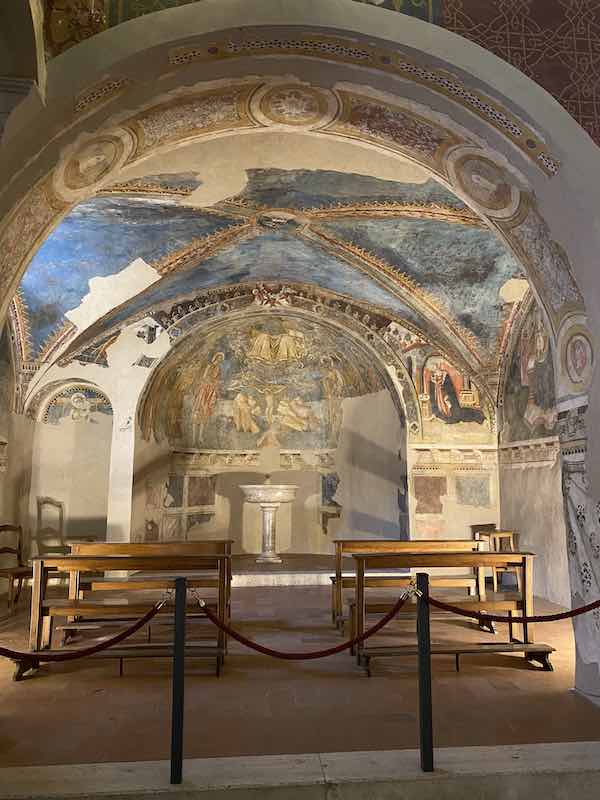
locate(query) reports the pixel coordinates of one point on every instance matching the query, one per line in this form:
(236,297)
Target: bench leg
(47,627)
(120,668)
(457,662)
(24,666)
(541,658)
(11,596)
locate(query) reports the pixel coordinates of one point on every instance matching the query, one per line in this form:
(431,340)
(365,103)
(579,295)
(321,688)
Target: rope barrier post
(424,644)
(178,682)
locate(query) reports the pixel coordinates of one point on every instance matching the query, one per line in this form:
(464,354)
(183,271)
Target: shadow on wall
(373,488)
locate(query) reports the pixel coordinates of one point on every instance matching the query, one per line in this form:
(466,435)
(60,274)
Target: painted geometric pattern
(554,42)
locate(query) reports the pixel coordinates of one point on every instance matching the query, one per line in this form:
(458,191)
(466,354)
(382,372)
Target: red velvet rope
(485,617)
(267,651)
(38,656)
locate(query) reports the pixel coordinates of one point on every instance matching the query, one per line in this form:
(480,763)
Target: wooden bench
(385,582)
(533,652)
(347,547)
(43,611)
(134,582)
(382,607)
(474,560)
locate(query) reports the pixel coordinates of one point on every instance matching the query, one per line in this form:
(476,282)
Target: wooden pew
(43,611)
(199,547)
(422,560)
(347,547)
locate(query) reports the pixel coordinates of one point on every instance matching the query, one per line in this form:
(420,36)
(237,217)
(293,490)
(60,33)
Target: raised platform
(558,771)
(296,569)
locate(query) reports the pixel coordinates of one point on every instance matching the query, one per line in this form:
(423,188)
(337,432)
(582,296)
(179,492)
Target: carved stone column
(583,546)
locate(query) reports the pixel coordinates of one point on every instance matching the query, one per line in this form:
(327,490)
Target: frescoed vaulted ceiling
(411,250)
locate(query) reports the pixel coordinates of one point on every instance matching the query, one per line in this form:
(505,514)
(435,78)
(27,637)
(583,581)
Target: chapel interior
(300,290)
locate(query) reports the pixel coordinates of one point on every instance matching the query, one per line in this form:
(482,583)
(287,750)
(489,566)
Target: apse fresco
(529,409)
(99,238)
(272,382)
(466,265)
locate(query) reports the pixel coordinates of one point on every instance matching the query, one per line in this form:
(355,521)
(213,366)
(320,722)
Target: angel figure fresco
(286,346)
(205,402)
(244,409)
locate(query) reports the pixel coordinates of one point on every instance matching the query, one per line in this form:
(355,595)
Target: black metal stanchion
(424,642)
(178,681)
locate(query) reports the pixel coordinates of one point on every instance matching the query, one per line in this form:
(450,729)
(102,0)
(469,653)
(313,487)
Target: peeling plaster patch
(128,347)
(514,290)
(108,292)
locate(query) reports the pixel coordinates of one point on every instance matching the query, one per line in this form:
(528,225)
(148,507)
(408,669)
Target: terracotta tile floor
(83,712)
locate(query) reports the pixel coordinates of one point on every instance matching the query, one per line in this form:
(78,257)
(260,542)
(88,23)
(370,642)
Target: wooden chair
(504,541)
(50,535)
(19,571)
(483,531)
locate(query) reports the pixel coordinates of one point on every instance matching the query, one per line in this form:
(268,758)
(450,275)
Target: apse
(275,381)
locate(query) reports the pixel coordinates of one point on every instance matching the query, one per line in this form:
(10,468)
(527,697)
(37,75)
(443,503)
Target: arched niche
(278,391)
(70,462)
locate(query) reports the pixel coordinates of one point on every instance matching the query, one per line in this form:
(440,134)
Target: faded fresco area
(529,410)
(81,404)
(275,381)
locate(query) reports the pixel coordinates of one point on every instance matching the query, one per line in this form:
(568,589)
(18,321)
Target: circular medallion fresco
(579,358)
(92,162)
(484,182)
(293,105)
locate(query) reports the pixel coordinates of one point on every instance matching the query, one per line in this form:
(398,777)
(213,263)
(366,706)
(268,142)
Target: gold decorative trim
(391,61)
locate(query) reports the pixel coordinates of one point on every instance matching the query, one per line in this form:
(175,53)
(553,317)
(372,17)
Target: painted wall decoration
(345,232)
(80,404)
(6,384)
(69,22)
(473,490)
(329,485)
(428,491)
(464,267)
(529,410)
(445,396)
(100,238)
(271,381)
(579,358)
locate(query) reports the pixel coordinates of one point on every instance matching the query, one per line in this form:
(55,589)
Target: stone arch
(537,226)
